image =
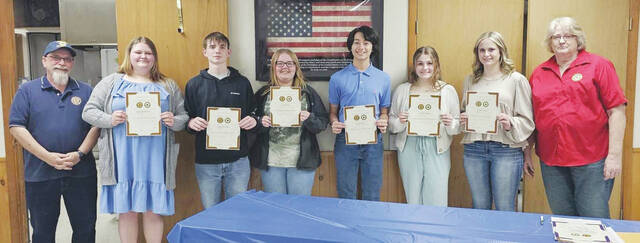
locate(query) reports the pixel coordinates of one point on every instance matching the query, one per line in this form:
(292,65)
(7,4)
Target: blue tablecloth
(267,217)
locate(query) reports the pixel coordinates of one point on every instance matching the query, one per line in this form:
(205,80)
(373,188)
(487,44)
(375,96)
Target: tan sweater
(514,100)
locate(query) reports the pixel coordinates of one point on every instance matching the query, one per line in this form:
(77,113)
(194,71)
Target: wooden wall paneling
(324,184)
(392,189)
(631,166)
(179,57)
(5,208)
(452,28)
(5,229)
(605,38)
(13,212)
(631,185)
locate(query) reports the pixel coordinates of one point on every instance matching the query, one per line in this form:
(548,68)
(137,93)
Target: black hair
(369,35)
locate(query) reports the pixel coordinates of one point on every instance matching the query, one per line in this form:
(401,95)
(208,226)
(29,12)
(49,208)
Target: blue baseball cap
(55,45)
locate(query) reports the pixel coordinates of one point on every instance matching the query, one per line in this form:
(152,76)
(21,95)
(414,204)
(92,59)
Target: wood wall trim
(631,168)
(12,202)
(411,45)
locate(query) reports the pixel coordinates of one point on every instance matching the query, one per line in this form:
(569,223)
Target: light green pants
(425,173)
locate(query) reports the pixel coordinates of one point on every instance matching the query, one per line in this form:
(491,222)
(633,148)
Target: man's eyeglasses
(564,37)
(58,58)
(283,64)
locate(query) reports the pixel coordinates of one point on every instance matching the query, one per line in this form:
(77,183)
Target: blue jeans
(43,202)
(288,180)
(577,190)
(350,158)
(493,170)
(234,175)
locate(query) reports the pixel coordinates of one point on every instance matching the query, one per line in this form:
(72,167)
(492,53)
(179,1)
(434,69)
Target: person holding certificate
(579,110)
(222,91)
(137,170)
(288,157)
(366,89)
(502,120)
(425,160)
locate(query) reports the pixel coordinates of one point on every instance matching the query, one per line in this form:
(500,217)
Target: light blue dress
(139,162)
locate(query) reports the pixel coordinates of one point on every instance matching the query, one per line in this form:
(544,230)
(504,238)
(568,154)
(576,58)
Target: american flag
(314,29)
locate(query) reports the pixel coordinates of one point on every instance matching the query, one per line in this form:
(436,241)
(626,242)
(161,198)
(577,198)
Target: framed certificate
(360,124)
(285,106)
(424,115)
(143,113)
(580,230)
(223,131)
(482,109)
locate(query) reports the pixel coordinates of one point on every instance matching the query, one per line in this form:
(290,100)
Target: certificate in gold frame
(209,139)
(409,131)
(284,99)
(141,105)
(495,125)
(371,114)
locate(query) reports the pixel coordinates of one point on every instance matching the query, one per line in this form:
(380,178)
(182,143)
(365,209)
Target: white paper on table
(223,131)
(285,106)
(360,124)
(143,113)
(579,230)
(482,110)
(424,115)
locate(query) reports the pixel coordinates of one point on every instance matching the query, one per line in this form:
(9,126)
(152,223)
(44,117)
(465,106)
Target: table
(270,217)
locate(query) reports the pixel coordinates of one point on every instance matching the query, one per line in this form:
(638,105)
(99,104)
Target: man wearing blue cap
(46,119)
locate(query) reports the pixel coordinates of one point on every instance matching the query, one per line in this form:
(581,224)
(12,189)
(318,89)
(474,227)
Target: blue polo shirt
(54,120)
(350,87)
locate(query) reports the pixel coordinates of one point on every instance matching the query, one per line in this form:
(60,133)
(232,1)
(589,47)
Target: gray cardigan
(97,112)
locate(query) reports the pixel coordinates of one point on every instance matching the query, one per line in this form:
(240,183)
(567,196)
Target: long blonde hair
(127,68)
(298,78)
(506,64)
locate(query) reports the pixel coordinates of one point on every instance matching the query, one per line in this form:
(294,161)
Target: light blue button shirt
(351,87)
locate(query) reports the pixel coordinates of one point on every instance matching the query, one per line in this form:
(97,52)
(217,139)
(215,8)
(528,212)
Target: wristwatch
(81,154)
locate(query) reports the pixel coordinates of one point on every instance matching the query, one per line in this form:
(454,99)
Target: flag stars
(289,19)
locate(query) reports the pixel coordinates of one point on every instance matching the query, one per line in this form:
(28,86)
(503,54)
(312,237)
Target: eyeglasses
(283,64)
(58,58)
(564,37)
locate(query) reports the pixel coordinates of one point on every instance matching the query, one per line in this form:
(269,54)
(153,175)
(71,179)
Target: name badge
(576,77)
(76,100)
